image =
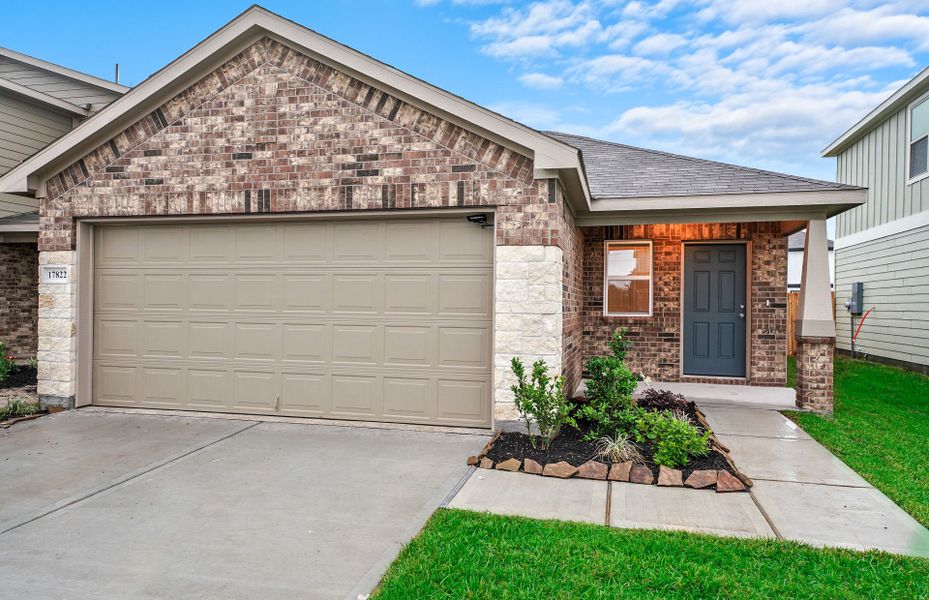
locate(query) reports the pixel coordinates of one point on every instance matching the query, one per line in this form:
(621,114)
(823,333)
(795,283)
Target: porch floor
(718,394)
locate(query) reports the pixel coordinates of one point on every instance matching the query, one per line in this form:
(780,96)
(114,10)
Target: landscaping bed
(19,400)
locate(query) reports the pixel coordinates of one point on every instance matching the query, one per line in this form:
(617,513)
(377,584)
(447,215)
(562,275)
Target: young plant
(19,408)
(674,440)
(609,389)
(6,363)
(540,399)
(617,449)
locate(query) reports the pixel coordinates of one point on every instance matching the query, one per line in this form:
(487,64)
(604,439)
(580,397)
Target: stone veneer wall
(656,349)
(273,130)
(19,298)
(57,334)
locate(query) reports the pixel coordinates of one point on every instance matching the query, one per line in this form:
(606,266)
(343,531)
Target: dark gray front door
(714,310)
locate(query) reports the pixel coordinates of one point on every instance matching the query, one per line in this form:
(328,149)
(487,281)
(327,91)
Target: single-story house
(796,244)
(275,223)
(39,102)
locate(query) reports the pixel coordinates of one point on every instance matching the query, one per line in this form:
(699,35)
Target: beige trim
(84,314)
(62,105)
(651,278)
(748,307)
(820,199)
(744,215)
(886,108)
(64,71)
(247,28)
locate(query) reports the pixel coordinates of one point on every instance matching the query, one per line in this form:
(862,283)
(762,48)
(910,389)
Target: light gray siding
(56,85)
(877,161)
(25,128)
(895,273)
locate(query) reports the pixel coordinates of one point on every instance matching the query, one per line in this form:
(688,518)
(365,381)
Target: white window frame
(650,277)
(909,142)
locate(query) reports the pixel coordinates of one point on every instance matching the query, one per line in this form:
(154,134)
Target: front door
(714,310)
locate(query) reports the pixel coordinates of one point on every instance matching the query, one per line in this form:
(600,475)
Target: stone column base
(814,373)
(57,401)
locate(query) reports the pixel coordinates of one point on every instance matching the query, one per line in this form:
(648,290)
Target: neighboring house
(39,102)
(275,223)
(884,244)
(795,245)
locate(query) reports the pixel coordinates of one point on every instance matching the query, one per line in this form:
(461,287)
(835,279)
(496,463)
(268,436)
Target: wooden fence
(793,308)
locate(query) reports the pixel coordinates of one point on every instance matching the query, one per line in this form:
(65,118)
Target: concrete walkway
(802,492)
(115,506)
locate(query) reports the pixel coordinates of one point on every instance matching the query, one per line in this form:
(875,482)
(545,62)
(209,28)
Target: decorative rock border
(630,472)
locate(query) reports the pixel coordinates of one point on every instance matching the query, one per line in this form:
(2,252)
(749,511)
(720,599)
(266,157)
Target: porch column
(815,327)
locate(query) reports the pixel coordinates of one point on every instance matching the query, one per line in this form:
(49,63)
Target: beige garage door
(373,320)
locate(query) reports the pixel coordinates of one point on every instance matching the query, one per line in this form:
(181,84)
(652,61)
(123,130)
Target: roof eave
(63,71)
(43,98)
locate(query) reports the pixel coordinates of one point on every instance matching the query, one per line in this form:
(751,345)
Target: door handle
(741,315)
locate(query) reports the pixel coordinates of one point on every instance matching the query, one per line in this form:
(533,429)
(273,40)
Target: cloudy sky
(765,83)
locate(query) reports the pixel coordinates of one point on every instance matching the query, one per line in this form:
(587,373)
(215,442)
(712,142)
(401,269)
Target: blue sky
(766,83)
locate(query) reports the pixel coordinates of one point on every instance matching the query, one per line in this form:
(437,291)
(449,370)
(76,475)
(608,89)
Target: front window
(919,139)
(628,279)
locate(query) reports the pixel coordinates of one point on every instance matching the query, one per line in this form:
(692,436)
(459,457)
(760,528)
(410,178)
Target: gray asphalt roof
(31,218)
(619,171)
(797,241)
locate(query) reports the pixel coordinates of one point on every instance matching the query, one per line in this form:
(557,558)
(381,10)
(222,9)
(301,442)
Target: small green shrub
(675,440)
(540,400)
(6,363)
(18,408)
(609,390)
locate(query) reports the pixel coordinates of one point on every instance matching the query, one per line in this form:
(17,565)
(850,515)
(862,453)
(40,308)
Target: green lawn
(463,554)
(881,429)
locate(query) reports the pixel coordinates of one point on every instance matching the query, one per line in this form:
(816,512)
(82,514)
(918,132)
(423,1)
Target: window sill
(917,179)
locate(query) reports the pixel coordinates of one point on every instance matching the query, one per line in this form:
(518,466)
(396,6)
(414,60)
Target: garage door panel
(209,389)
(117,337)
(164,339)
(257,341)
(210,340)
(409,398)
(305,394)
(306,342)
(210,292)
(368,320)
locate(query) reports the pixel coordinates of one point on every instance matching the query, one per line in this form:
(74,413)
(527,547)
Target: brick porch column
(815,326)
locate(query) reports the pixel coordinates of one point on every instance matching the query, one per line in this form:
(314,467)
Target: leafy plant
(674,440)
(19,408)
(618,449)
(540,400)
(6,363)
(33,362)
(609,389)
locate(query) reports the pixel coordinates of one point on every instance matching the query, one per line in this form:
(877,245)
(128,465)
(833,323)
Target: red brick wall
(19,298)
(656,350)
(274,130)
(572,243)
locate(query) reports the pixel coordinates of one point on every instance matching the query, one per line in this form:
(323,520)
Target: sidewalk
(802,492)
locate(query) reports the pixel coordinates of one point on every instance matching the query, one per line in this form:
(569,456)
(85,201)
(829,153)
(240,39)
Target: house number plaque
(55,274)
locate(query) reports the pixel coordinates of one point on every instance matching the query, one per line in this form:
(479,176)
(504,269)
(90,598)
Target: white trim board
(884,230)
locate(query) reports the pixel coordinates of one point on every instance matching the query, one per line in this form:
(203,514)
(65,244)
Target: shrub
(609,390)
(6,363)
(19,408)
(674,440)
(663,400)
(540,400)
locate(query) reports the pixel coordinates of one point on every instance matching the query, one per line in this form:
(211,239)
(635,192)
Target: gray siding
(25,128)
(895,272)
(55,85)
(878,162)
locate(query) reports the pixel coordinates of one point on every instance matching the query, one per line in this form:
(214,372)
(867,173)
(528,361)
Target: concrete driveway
(113,505)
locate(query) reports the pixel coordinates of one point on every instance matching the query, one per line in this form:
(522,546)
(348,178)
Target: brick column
(814,373)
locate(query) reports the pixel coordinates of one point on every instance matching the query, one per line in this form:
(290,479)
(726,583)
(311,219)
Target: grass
(462,554)
(880,428)
(18,408)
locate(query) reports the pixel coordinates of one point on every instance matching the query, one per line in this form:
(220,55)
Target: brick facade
(814,373)
(656,349)
(19,298)
(274,130)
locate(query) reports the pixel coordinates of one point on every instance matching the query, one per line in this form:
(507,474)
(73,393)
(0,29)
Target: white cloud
(660,43)
(541,81)
(854,27)
(764,11)
(614,72)
(539,29)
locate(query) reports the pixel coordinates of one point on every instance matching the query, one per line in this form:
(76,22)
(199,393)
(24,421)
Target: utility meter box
(856,302)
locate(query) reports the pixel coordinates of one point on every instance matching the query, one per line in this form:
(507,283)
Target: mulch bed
(510,451)
(19,376)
